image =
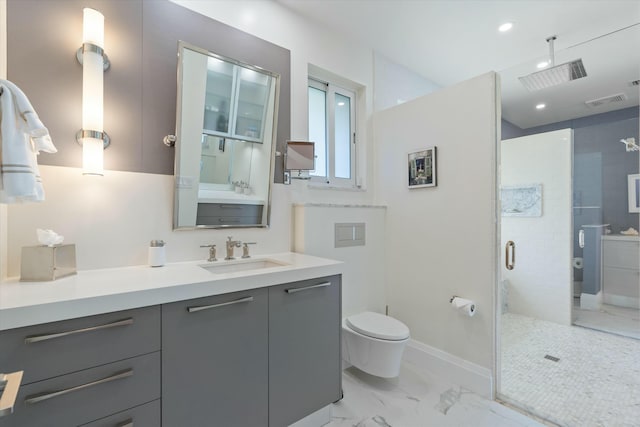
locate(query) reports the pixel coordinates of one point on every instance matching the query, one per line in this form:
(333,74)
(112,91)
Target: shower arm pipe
(552,59)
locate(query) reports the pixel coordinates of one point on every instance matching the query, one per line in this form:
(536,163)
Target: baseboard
(590,301)
(452,368)
(317,419)
(622,301)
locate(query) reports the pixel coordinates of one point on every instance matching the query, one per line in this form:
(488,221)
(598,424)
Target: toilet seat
(378,326)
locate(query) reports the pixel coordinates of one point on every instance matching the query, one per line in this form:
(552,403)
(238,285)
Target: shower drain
(552,358)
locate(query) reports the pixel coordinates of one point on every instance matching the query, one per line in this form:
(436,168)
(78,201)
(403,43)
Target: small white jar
(157,255)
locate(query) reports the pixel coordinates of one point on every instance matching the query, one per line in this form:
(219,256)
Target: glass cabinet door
(218,98)
(252,97)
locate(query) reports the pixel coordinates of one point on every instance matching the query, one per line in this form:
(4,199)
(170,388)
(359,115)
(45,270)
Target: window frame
(330,89)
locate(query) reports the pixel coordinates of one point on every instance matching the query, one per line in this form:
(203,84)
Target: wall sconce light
(94,63)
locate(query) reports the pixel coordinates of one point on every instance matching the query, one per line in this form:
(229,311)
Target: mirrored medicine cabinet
(225,141)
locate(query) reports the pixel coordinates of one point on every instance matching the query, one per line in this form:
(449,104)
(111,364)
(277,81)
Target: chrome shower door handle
(581,238)
(510,255)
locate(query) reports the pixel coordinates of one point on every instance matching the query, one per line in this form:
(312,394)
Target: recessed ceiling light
(505,27)
(542,64)
(540,106)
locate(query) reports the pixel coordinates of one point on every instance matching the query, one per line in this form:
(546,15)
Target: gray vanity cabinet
(214,361)
(80,370)
(304,348)
(81,397)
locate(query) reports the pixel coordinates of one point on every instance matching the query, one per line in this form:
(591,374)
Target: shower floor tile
(417,399)
(595,381)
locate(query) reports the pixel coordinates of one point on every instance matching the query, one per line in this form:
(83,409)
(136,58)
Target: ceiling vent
(619,97)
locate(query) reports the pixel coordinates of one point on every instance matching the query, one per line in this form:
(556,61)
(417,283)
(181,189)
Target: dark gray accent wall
(141,40)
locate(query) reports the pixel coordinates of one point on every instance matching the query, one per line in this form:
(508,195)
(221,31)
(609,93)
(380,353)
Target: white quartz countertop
(101,291)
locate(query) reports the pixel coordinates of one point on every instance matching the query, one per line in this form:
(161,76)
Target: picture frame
(633,188)
(422,168)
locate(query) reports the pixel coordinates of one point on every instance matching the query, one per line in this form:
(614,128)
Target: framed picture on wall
(422,168)
(633,186)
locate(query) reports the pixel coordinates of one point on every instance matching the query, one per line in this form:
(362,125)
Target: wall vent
(634,83)
(606,100)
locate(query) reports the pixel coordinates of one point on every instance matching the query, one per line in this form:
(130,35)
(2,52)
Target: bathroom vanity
(246,343)
(620,270)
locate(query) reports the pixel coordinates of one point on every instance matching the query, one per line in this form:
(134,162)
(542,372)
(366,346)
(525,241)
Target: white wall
(363,284)
(540,285)
(395,84)
(441,241)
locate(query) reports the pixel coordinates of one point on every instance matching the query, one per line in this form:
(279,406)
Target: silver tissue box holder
(45,263)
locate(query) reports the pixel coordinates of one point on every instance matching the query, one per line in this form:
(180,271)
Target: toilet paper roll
(464,305)
(578,263)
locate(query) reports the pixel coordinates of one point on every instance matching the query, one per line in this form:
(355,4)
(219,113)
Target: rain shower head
(555,74)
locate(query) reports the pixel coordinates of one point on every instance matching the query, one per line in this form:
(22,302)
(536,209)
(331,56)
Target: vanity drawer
(77,398)
(52,349)
(621,254)
(220,213)
(147,415)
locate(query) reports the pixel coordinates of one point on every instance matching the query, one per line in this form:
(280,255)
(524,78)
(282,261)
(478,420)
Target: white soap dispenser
(157,255)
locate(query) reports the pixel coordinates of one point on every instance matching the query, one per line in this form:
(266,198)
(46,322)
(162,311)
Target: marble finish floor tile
(417,399)
(610,318)
(594,383)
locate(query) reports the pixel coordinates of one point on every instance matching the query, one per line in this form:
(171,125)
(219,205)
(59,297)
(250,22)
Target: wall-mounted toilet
(374,343)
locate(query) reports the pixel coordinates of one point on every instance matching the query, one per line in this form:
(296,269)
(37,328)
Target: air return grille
(554,75)
(618,97)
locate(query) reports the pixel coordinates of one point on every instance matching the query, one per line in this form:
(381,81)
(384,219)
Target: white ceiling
(454,40)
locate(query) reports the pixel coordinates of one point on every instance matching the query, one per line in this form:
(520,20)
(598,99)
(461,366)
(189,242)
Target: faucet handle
(212,252)
(245,249)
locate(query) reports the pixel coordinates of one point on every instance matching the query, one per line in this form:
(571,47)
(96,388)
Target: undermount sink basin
(221,267)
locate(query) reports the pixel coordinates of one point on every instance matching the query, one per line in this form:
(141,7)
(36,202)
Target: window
(332,129)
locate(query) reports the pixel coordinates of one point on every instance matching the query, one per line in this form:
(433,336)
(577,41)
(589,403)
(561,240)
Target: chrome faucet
(230,245)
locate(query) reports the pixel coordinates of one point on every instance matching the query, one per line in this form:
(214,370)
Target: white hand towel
(22,137)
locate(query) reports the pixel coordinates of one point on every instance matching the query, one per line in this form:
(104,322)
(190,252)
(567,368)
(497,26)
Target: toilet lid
(378,326)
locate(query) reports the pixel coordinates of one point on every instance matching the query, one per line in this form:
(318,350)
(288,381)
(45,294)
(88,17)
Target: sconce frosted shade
(93,60)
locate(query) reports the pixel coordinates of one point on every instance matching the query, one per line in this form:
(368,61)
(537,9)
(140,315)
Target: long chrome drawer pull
(38,338)
(46,396)
(207,307)
(320,285)
(9,385)
(127,423)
